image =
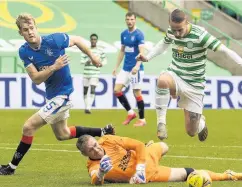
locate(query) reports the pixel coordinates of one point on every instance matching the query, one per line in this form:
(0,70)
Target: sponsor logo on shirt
(125,161)
(181,55)
(129,49)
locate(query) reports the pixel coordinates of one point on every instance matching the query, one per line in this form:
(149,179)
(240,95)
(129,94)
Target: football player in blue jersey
(45,61)
(132,43)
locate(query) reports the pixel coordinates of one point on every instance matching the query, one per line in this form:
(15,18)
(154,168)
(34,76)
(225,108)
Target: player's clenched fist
(139,176)
(105,166)
(60,62)
(141,57)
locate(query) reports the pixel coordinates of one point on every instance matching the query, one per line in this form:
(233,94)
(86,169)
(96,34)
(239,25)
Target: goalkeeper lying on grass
(125,160)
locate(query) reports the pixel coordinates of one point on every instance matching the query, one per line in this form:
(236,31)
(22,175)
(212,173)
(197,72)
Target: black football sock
(123,100)
(22,149)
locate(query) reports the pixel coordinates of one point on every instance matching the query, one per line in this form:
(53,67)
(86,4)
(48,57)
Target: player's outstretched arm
(230,53)
(41,76)
(159,48)
(78,41)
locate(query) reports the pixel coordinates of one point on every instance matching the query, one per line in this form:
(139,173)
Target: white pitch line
(208,146)
(50,150)
(168,156)
(40,144)
(170,145)
(203,158)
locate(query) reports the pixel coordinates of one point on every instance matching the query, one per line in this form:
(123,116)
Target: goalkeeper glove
(105,166)
(139,176)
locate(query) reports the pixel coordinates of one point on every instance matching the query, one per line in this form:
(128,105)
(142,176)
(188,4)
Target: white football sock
(12,166)
(131,111)
(143,120)
(91,100)
(201,124)
(162,98)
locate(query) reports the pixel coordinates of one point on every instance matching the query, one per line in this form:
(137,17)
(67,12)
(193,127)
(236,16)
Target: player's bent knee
(118,88)
(117,91)
(28,129)
(164,147)
(137,93)
(62,137)
(162,83)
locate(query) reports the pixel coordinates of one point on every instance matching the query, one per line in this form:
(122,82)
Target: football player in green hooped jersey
(185,77)
(91,73)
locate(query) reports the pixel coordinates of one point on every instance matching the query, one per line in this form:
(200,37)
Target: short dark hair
(93,35)
(129,14)
(177,16)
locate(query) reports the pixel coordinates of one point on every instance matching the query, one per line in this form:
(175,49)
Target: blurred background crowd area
(231,8)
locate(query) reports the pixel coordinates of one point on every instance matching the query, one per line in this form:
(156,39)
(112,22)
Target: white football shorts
(90,81)
(56,109)
(125,78)
(190,98)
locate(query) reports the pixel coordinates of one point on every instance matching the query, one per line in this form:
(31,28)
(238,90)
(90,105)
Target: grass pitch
(51,163)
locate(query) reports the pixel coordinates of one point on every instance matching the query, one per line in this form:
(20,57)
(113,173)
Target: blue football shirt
(52,46)
(131,42)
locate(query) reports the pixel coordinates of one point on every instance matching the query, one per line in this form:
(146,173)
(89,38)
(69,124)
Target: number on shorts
(134,80)
(49,106)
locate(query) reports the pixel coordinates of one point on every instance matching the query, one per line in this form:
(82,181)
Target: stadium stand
(106,26)
(231,8)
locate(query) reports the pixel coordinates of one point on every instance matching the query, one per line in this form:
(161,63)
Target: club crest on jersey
(189,45)
(132,38)
(180,49)
(49,52)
